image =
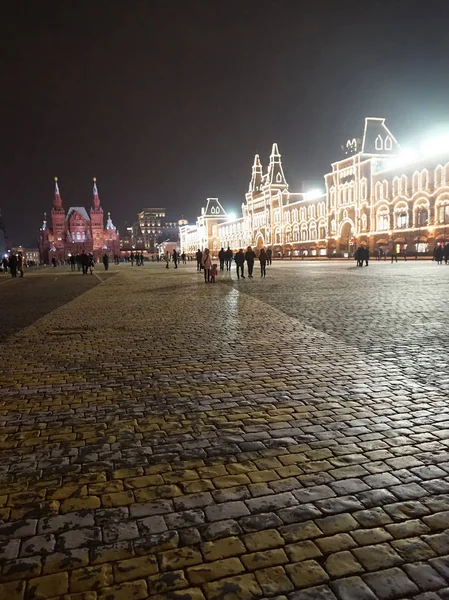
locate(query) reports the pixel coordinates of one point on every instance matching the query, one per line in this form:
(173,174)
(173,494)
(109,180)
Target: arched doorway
(259,242)
(346,238)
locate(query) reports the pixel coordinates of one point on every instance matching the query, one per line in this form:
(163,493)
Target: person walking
(207,263)
(438,254)
(222,258)
(84,262)
(175,258)
(106,262)
(269,256)
(228,257)
(183,258)
(357,257)
(12,262)
(446,253)
(394,254)
(167,259)
(250,256)
(5,264)
(53,262)
(239,260)
(20,264)
(91,263)
(199,259)
(364,256)
(132,259)
(263,262)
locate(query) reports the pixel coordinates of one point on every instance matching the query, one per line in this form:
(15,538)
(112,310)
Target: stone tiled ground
(162,438)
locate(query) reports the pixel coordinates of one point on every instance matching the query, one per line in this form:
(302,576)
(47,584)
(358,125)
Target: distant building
(150,230)
(373,196)
(30,255)
(77,231)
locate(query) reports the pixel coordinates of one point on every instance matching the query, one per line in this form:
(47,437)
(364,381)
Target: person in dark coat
(106,262)
(357,257)
(446,253)
(438,254)
(250,256)
(20,264)
(239,259)
(228,257)
(84,262)
(269,256)
(175,258)
(12,263)
(364,256)
(199,259)
(263,262)
(221,258)
(394,254)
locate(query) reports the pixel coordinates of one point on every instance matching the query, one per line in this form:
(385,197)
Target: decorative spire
(276,175)
(256,178)
(57,203)
(109,223)
(44,223)
(96,196)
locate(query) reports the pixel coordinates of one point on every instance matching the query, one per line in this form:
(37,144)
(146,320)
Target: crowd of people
(14,264)
(362,254)
(225,258)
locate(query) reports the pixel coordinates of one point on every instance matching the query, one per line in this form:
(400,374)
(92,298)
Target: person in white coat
(207,263)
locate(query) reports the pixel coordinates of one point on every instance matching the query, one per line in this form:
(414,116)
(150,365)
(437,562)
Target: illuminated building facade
(150,230)
(77,231)
(374,196)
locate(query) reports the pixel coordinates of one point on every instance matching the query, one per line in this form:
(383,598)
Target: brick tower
(58,223)
(97,224)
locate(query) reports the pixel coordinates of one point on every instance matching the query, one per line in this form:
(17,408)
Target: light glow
(313,194)
(435,145)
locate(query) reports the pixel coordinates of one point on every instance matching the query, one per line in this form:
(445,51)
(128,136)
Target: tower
(96,219)
(256,177)
(58,222)
(276,177)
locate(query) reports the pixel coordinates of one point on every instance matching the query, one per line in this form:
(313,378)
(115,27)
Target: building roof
(213,209)
(377,138)
(79,209)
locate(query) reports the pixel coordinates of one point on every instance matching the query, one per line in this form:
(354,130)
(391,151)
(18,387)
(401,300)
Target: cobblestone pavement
(232,441)
(41,290)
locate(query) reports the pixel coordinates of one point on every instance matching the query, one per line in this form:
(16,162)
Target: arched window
(379,191)
(296,234)
(78,235)
(303,234)
(415,181)
(379,143)
(364,222)
(312,233)
(444,214)
(278,178)
(424,183)
(403,184)
(333,226)
(388,143)
(401,219)
(438,178)
(383,219)
(396,187)
(322,231)
(422,216)
(363,189)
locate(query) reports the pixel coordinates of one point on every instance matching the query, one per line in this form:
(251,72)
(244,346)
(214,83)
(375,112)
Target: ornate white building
(373,196)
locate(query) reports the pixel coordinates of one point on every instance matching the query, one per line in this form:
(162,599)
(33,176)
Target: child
(213,273)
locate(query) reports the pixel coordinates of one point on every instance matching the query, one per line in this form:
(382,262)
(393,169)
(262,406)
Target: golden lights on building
(377,195)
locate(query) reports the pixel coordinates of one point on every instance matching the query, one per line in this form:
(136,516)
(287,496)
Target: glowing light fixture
(313,194)
(232,216)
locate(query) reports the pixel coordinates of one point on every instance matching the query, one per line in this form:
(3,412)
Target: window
(388,143)
(322,232)
(421,247)
(383,221)
(401,220)
(78,235)
(444,214)
(303,235)
(422,216)
(278,178)
(364,221)
(379,143)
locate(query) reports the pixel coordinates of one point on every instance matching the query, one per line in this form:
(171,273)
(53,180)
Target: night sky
(166,102)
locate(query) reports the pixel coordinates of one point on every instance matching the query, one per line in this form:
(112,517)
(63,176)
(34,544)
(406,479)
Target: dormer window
(388,143)
(278,178)
(379,143)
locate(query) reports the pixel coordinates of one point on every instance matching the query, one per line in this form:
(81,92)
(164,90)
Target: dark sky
(167,101)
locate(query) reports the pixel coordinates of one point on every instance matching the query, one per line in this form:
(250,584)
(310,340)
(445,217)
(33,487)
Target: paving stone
(352,588)
(244,587)
(342,564)
(273,580)
(225,547)
(306,574)
(413,549)
(320,592)
(390,584)
(263,540)
(336,543)
(441,565)
(407,529)
(425,577)
(302,551)
(380,556)
(337,524)
(135,568)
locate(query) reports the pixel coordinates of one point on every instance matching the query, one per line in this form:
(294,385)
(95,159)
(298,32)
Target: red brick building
(77,231)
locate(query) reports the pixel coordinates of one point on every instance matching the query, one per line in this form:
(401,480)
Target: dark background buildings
(167,102)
